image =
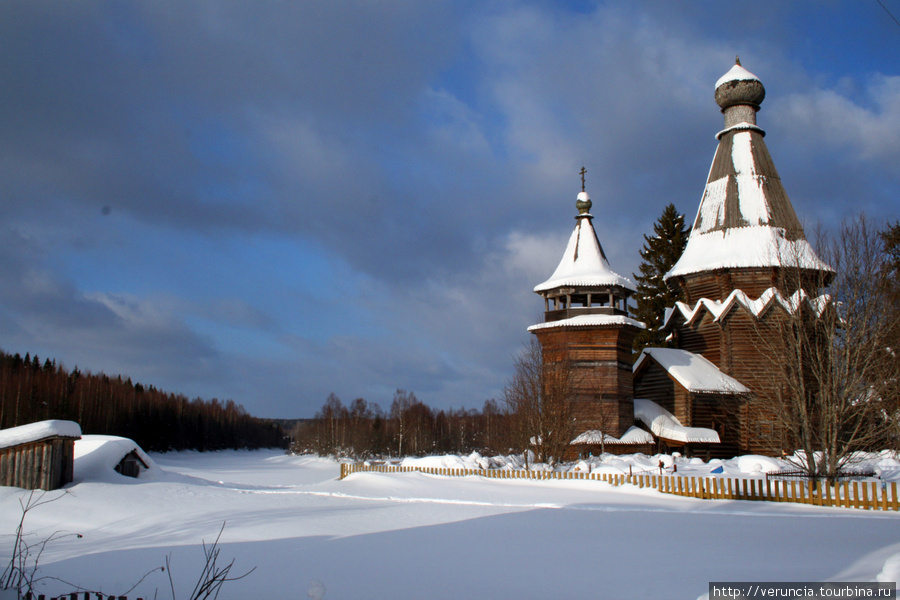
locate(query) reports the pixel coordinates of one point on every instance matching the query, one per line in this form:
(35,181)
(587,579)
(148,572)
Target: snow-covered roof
(632,435)
(96,458)
(584,263)
(590,321)
(664,424)
(745,218)
(736,73)
(41,430)
(694,372)
(747,247)
(737,298)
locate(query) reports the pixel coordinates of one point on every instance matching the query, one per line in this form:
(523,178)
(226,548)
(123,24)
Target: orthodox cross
(583,171)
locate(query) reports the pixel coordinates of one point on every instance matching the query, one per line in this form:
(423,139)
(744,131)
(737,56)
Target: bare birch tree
(538,398)
(829,354)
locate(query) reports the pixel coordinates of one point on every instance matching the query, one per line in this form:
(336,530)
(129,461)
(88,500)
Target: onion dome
(739,86)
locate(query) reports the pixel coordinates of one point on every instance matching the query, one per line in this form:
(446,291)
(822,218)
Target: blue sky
(272,201)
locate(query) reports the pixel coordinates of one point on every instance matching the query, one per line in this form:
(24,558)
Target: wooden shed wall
(45,464)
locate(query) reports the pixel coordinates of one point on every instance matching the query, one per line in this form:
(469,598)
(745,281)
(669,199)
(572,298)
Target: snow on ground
(410,535)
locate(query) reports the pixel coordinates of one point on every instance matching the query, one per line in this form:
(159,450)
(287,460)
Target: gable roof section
(692,371)
(719,309)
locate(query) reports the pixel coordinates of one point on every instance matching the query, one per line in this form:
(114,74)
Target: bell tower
(586,327)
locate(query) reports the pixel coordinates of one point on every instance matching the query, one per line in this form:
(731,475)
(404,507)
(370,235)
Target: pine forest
(158,421)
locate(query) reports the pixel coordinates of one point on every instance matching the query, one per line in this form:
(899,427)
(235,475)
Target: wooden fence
(77,596)
(868,495)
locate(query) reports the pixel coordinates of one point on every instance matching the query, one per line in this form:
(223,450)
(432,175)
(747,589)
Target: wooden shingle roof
(745,218)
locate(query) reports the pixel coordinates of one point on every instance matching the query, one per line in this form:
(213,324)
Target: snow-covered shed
(38,455)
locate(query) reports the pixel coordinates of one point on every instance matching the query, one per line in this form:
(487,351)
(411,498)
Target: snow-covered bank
(884,464)
(414,536)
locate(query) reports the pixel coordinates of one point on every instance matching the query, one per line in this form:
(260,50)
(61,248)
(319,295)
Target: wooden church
(747,261)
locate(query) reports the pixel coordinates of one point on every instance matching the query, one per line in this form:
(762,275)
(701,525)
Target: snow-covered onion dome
(739,93)
(583,203)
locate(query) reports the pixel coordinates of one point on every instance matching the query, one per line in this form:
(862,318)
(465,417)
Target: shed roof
(632,435)
(33,432)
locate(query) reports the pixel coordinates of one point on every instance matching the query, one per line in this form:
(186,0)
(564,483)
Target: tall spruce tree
(659,254)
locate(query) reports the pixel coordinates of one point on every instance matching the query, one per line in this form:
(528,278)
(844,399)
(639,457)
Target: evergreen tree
(659,254)
(890,237)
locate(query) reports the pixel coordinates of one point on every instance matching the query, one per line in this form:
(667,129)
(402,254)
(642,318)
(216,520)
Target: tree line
(31,390)
(409,427)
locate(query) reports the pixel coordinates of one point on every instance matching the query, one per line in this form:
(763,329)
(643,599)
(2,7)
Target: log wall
(45,464)
(600,358)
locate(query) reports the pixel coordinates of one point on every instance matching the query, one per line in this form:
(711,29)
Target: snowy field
(413,536)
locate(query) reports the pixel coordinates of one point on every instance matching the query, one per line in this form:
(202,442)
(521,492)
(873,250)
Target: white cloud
(451,123)
(869,125)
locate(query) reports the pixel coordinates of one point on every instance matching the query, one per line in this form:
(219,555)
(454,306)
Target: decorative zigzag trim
(719,308)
